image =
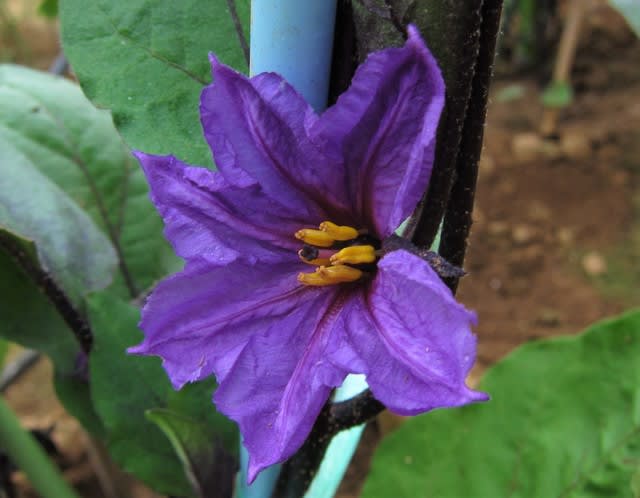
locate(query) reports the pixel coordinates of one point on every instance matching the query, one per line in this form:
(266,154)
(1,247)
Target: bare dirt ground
(556,241)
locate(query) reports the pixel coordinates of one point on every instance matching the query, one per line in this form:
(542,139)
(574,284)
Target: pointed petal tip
(139,349)
(214,61)
(473,396)
(413,32)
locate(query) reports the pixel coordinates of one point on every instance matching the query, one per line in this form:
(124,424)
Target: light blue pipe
(295,39)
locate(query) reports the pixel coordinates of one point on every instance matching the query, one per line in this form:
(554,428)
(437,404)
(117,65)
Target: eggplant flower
(286,290)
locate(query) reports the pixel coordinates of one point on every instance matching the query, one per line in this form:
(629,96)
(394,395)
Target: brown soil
(556,238)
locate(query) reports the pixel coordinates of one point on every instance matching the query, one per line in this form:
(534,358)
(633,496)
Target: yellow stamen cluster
(332,266)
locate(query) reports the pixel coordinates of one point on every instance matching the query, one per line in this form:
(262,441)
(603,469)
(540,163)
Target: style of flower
(285,290)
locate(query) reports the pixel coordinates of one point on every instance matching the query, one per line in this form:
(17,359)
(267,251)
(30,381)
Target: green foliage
(4,347)
(29,319)
(630,9)
(47,229)
(74,148)
(200,450)
(146,60)
(124,387)
(52,240)
(564,420)
(70,192)
(48,8)
(557,95)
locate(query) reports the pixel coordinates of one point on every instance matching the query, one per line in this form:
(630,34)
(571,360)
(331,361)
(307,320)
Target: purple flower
(285,290)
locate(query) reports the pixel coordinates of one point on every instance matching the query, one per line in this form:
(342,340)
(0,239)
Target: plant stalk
(23,450)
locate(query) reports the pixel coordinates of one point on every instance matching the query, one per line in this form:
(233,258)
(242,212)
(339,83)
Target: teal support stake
(294,38)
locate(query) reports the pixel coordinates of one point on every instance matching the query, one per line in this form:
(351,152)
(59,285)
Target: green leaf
(124,387)
(48,8)
(40,221)
(510,93)
(209,468)
(147,61)
(75,148)
(29,319)
(635,483)
(557,95)
(563,421)
(630,9)
(4,347)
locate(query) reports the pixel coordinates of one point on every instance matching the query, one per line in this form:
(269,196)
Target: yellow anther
(354,255)
(315,262)
(338,232)
(316,238)
(330,275)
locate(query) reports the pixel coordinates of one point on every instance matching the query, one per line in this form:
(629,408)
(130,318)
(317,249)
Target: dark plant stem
(231,4)
(458,216)
(297,474)
(453,34)
(49,288)
(462,34)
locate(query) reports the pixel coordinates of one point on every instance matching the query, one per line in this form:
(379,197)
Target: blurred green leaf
(563,421)
(208,466)
(75,148)
(557,95)
(4,347)
(48,8)
(635,483)
(510,93)
(124,387)
(147,61)
(630,9)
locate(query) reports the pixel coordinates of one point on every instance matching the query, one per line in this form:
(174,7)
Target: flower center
(341,253)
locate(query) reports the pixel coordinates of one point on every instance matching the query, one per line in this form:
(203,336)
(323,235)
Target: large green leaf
(124,387)
(66,243)
(147,61)
(74,146)
(563,421)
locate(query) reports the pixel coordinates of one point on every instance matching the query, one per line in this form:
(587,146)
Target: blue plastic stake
(294,38)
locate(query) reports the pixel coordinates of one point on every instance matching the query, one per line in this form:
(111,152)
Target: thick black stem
(453,35)
(458,216)
(49,288)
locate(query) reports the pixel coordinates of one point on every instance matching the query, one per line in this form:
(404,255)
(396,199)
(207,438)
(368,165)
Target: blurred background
(555,244)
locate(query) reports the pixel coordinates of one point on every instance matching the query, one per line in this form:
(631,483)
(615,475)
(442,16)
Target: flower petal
(257,128)
(200,319)
(207,217)
(414,340)
(383,128)
(281,380)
